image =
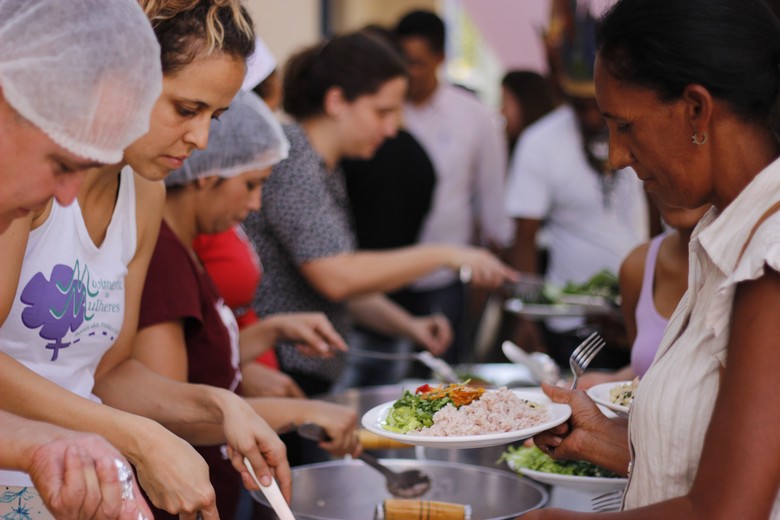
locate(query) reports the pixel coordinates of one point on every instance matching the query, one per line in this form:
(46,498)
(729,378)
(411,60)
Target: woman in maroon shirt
(186,331)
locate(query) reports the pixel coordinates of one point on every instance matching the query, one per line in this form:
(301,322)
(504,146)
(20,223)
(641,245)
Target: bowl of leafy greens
(582,476)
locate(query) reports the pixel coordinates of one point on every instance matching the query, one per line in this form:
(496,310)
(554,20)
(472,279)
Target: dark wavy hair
(731,47)
(358,63)
(532,91)
(185,28)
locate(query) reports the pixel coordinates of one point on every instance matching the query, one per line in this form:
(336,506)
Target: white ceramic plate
(600,395)
(374,420)
(578,483)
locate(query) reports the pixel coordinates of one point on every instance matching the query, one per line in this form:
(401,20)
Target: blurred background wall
(485,37)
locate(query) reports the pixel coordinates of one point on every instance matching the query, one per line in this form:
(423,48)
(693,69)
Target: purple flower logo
(57,305)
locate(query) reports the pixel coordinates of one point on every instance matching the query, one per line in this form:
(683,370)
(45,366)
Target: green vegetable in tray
(533,458)
(412,413)
(604,283)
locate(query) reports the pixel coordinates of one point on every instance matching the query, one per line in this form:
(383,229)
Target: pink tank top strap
(650,325)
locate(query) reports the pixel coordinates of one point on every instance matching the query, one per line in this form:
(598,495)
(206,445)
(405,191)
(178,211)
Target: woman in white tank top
(77,299)
(75,473)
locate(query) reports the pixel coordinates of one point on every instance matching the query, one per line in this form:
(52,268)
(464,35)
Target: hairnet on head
(246,137)
(86,72)
(259,65)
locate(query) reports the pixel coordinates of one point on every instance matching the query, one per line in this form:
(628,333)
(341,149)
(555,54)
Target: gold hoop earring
(696,141)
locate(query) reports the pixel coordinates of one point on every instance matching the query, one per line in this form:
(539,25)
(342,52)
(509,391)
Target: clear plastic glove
(78,477)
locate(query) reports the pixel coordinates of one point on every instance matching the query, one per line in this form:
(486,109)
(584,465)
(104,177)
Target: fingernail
(265,480)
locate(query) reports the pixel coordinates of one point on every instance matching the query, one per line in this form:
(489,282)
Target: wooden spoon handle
(372,441)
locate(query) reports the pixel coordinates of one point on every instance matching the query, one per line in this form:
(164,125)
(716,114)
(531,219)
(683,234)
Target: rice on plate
(495,412)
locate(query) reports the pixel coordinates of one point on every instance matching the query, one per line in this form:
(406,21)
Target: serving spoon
(411,483)
(542,366)
(272,493)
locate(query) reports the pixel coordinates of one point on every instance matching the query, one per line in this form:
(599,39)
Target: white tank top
(70,302)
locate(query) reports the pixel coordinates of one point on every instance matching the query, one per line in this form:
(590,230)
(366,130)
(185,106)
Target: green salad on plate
(411,412)
(531,457)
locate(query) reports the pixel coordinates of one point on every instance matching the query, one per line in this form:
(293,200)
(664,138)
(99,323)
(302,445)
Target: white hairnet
(86,72)
(259,65)
(246,137)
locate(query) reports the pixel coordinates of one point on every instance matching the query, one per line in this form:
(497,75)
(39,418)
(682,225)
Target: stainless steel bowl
(350,490)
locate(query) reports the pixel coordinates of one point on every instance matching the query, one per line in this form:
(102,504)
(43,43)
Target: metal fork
(583,355)
(610,501)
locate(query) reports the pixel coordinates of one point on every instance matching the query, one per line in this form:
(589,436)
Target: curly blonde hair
(185,28)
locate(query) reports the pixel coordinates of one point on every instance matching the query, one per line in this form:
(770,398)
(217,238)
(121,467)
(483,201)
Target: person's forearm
(610,450)
(523,254)
(624,374)
(257,338)
(278,412)
(134,388)
(360,273)
(522,258)
(21,437)
(28,395)
(380,314)
(281,412)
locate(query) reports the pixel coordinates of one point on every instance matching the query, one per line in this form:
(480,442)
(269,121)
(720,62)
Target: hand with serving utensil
(378,313)
(481,268)
(249,435)
(311,332)
(588,434)
(339,424)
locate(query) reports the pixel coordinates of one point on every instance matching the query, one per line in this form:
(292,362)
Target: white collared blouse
(675,399)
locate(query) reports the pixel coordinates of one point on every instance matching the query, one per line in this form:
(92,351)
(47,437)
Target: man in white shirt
(559,179)
(466,148)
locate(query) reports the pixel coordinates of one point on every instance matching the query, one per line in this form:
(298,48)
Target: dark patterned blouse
(305,216)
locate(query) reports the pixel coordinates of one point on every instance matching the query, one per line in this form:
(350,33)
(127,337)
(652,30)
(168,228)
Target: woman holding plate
(689,91)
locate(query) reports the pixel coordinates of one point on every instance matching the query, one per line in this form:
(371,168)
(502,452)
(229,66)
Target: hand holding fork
(583,355)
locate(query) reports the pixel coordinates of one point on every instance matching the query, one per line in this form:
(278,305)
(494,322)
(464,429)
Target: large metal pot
(350,490)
